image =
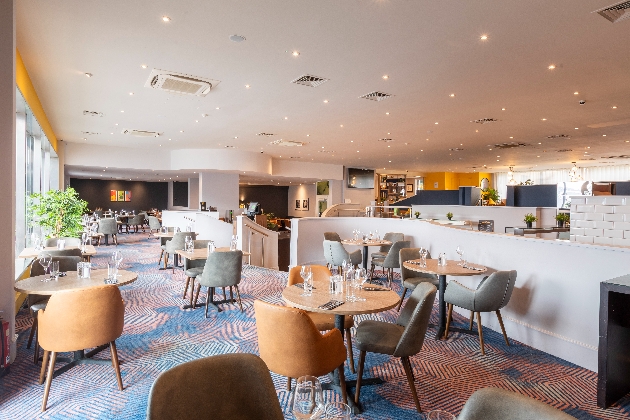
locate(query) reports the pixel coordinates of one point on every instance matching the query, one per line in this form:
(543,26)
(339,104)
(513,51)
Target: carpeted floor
(159,335)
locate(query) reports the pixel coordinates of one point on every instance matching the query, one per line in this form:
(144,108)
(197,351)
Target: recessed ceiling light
(88,74)
(484,37)
(122,110)
(387,113)
(144,66)
(511,137)
(502,109)
(295,53)
(551,67)
(131,93)
(341,126)
(286,118)
(197,121)
(452,95)
(247,86)
(217,108)
(543,119)
(576,93)
(325,101)
(385,77)
(181,131)
(603,135)
(390,161)
(235,137)
(576,128)
(308,135)
(537,156)
(436,123)
(166,18)
(614,107)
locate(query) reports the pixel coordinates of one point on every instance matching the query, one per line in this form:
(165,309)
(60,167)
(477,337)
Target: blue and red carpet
(159,335)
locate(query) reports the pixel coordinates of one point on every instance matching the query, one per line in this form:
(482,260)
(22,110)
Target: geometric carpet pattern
(158,335)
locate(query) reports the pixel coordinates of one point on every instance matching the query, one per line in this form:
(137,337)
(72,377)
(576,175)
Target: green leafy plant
(449,215)
(563,217)
(490,194)
(530,218)
(417,214)
(58,212)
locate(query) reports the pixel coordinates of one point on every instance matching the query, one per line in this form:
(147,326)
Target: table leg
(107,239)
(442,309)
(365,258)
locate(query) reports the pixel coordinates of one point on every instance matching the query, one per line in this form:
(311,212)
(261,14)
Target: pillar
(219,190)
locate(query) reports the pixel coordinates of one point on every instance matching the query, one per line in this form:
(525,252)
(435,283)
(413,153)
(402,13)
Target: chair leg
(51,367)
(404,292)
(502,327)
(238,295)
(231,295)
(289,379)
(449,316)
(479,328)
(357,392)
(342,384)
(208,292)
(36,350)
(115,364)
(472,316)
(160,259)
(186,288)
(349,345)
(194,303)
(32,333)
(371,272)
(42,372)
(407,365)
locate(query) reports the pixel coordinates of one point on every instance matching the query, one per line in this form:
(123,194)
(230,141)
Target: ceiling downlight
(141,133)
(287,143)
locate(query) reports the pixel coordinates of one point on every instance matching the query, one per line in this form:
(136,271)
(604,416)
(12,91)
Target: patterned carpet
(159,335)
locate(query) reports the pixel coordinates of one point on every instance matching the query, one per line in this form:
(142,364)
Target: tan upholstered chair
(80,319)
(410,278)
(324,322)
(292,346)
(69,241)
(227,386)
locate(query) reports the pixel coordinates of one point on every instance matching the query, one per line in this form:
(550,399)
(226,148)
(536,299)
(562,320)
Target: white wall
(116,157)
(290,168)
(219,190)
(193,193)
(358,195)
(302,192)
(555,304)
(220,160)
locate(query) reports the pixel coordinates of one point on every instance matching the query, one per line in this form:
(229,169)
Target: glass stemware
(439,415)
(337,410)
(460,252)
(308,398)
(45,260)
(423,255)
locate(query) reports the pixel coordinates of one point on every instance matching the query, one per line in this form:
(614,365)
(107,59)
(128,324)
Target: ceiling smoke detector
(616,12)
(180,83)
(93,113)
(485,120)
(287,143)
(559,136)
(376,96)
(508,145)
(141,133)
(309,80)
(265,134)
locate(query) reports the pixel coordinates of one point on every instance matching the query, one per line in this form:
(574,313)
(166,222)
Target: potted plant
(417,214)
(449,215)
(58,212)
(562,218)
(529,219)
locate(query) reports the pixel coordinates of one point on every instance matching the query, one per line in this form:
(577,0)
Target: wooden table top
(202,253)
(168,234)
(361,242)
(33,253)
(375,301)
(71,282)
(450,269)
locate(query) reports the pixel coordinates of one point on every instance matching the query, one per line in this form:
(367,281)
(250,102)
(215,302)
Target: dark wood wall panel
(144,195)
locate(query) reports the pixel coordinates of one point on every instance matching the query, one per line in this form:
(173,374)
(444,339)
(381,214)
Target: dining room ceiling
(450,85)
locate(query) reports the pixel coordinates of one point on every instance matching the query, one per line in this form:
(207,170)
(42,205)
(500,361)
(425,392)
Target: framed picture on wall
(305,204)
(409,187)
(127,195)
(113,195)
(121,195)
(297,204)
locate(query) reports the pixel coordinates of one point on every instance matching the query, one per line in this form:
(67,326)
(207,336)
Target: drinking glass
(349,283)
(45,260)
(117,258)
(337,410)
(54,270)
(439,415)
(376,235)
(460,252)
(423,254)
(210,247)
(61,244)
(308,398)
(112,272)
(360,277)
(308,284)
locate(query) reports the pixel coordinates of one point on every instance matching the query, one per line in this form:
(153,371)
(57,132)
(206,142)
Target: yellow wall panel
(432,177)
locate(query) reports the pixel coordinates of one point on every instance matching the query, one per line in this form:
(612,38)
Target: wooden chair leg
(115,364)
(160,259)
(210,290)
(404,292)
(115,238)
(51,368)
(42,372)
(480,329)
(505,337)
(410,379)
(371,272)
(289,379)
(231,295)
(238,295)
(186,287)
(472,316)
(448,319)
(32,333)
(349,346)
(194,303)
(342,384)
(357,392)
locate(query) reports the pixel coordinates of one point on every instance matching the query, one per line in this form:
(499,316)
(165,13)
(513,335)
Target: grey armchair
(108,226)
(332,236)
(69,241)
(175,244)
(499,404)
(193,268)
(222,269)
(154,224)
(402,339)
(227,386)
(72,252)
(38,302)
(391,261)
(411,279)
(335,254)
(492,294)
(384,249)
(136,222)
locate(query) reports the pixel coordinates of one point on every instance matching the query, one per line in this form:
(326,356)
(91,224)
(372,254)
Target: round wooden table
(35,285)
(450,269)
(365,245)
(375,301)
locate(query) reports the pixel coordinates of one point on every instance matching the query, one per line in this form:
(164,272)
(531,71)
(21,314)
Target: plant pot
(450,218)
(560,223)
(528,225)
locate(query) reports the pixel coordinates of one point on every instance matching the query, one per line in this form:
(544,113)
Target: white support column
(193,193)
(219,190)
(7,160)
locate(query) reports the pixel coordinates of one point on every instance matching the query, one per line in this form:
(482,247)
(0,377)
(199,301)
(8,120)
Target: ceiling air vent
(309,80)
(183,84)
(93,113)
(386,140)
(230,147)
(508,145)
(456,149)
(587,159)
(288,143)
(265,134)
(141,133)
(296,157)
(616,157)
(485,120)
(376,96)
(89,133)
(559,136)
(326,151)
(564,150)
(616,12)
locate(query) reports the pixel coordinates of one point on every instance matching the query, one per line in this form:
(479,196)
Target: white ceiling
(428,49)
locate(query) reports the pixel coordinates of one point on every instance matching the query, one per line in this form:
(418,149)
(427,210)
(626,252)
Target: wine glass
(460,252)
(45,260)
(308,399)
(439,415)
(117,257)
(307,286)
(423,254)
(337,410)
(376,235)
